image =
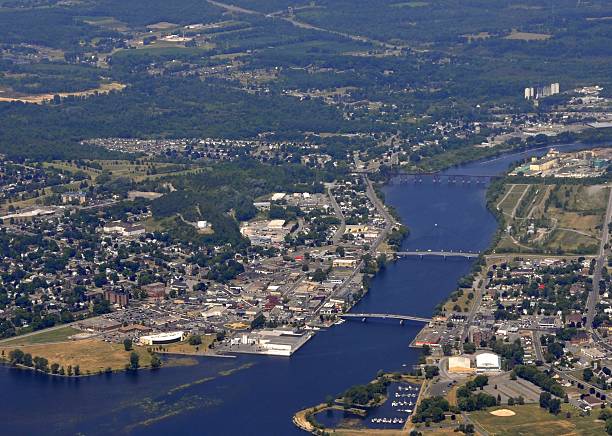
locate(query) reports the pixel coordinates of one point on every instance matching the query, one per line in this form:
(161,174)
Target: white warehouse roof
(488,361)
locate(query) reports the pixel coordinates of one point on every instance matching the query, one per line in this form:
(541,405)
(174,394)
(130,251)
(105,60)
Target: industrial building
(460,364)
(162,338)
(488,362)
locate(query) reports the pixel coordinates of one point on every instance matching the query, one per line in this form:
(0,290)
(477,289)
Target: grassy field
(124,168)
(513,192)
(92,355)
(563,218)
(44,337)
(185,348)
(463,301)
(527,36)
(532,420)
(104,88)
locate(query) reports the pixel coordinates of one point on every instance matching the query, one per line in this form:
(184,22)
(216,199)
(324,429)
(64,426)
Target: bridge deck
(438,253)
(386,316)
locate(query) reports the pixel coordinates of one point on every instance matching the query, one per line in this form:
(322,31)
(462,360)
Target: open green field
(91,355)
(511,196)
(552,219)
(43,337)
(532,420)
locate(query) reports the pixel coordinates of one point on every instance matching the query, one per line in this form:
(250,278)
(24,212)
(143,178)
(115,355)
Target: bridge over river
(444,254)
(401,318)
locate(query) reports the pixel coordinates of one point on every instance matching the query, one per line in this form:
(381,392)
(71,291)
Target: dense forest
(434,60)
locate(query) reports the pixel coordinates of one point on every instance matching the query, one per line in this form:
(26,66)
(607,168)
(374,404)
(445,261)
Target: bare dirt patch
(503,412)
(527,36)
(104,88)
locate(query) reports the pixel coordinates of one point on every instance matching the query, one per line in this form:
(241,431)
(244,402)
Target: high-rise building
(537,92)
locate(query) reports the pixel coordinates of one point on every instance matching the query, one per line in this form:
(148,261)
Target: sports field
(532,420)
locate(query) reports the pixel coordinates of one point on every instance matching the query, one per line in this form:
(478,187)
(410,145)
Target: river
(257,395)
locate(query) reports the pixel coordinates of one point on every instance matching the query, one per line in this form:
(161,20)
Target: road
(537,346)
(472,313)
(518,202)
(389,220)
(339,215)
(303,25)
(512,186)
(599,264)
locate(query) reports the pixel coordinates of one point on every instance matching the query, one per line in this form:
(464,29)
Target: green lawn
(532,420)
(44,337)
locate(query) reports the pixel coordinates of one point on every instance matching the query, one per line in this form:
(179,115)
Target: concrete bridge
(401,318)
(444,254)
(457,179)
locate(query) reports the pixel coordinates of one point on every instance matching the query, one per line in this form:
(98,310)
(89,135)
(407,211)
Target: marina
(392,414)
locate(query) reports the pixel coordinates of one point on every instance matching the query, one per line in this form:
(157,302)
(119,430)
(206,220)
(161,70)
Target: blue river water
(257,395)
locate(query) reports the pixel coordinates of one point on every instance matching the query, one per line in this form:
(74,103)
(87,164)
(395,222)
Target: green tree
(155,361)
(127,344)
(431,371)
(195,340)
(545,398)
(469,348)
(134,361)
(554,406)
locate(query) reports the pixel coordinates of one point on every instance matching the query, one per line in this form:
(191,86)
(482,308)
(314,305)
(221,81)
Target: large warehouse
(162,338)
(488,362)
(458,364)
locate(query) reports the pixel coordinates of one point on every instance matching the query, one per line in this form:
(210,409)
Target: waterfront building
(163,338)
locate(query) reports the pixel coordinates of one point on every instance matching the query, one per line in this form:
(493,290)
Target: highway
(600,262)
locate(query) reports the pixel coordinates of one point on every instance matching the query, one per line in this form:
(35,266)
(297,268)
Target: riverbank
(76,358)
(468,154)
